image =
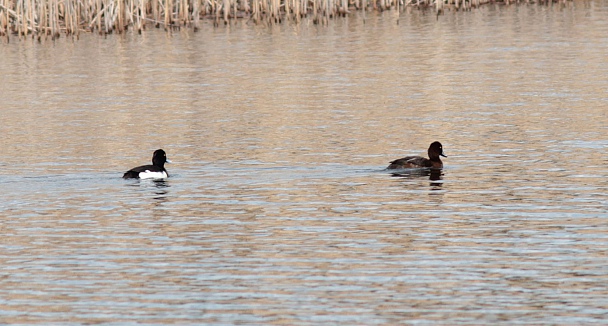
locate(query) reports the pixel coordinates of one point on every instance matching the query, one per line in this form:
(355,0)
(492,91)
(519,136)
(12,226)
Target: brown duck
(408,162)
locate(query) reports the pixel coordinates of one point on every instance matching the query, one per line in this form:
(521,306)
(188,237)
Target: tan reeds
(70,17)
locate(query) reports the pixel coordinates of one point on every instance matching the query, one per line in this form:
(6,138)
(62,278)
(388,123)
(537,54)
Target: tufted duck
(435,150)
(156,170)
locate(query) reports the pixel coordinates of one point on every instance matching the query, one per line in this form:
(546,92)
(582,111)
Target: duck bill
(443,155)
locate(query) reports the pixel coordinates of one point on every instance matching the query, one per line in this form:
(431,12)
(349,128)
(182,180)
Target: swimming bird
(408,162)
(155,171)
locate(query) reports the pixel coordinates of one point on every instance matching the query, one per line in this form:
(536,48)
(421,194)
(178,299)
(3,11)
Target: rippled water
(278,209)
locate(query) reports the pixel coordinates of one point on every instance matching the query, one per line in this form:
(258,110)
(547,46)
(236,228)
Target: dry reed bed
(71,17)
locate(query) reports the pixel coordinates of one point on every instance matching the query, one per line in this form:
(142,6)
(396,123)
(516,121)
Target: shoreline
(49,19)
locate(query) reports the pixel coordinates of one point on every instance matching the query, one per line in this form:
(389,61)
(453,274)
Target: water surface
(278,210)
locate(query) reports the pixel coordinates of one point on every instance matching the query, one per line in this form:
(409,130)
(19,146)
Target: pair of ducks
(159,158)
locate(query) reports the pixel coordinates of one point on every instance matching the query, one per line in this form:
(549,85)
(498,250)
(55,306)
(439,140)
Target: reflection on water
(434,175)
(278,209)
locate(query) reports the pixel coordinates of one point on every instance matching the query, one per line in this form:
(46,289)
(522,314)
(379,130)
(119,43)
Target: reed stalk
(226,10)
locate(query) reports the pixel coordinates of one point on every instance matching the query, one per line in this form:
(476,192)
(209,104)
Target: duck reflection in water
(161,193)
(160,183)
(147,183)
(159,187)
(435,175)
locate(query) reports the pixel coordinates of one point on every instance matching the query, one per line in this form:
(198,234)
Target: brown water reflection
(434,175)
(279,209)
